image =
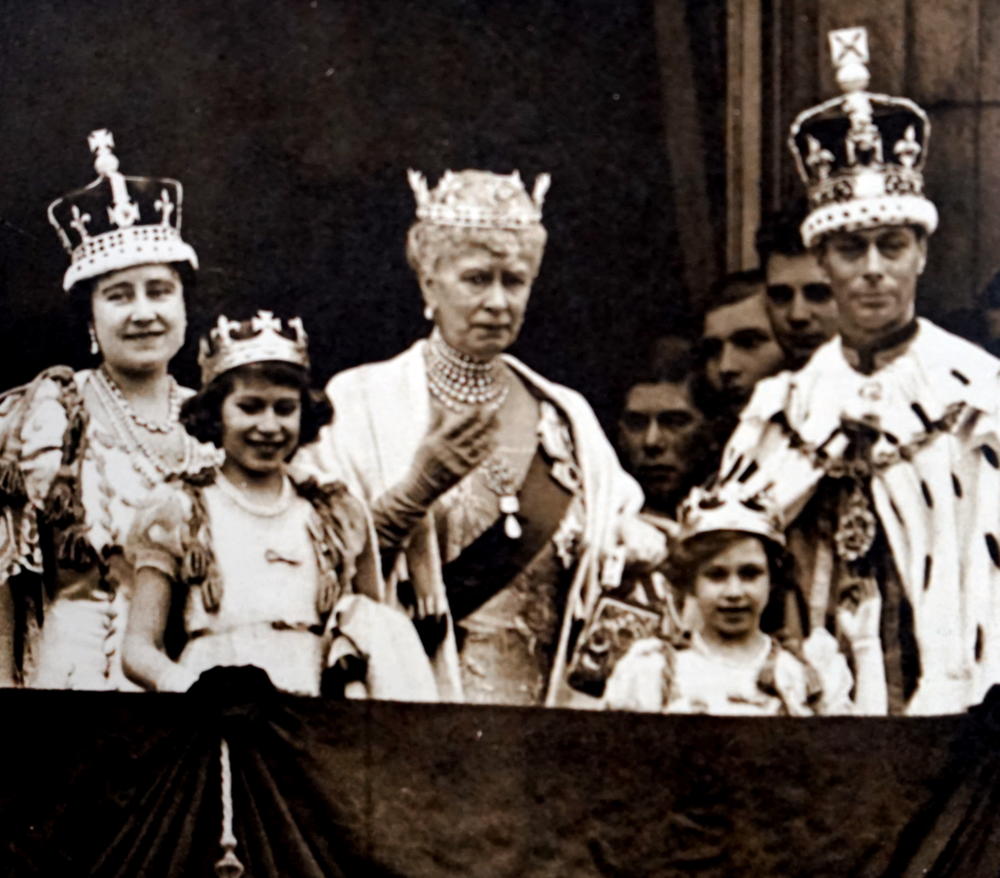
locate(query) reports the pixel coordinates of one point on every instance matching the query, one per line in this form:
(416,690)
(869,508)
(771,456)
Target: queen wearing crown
(263,568)
(80,450)
(496,497)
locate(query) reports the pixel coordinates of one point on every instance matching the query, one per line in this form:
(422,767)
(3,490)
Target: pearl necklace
(173,408)
(457,380)
(258,508)
(125,426)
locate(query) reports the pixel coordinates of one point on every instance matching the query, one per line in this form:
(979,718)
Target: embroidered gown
(75,466)
(506,595)
(515,605)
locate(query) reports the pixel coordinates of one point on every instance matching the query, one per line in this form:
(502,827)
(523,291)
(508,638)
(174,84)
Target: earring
(428,312)
(95,348)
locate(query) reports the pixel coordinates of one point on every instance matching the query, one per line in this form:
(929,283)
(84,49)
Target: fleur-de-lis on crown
(819,160)
(165,205)
(908,150)
(79,222)
(541,187)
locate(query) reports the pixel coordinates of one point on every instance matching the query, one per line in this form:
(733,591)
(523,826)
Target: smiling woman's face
(139,317)
(479,297)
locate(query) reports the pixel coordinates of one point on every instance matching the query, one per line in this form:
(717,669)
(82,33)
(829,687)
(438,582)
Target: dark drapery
(118,784)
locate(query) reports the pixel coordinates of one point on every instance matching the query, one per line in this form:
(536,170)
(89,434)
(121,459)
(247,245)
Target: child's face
(260,424)
(732,589)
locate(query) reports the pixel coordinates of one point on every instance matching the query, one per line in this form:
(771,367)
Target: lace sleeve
(160,531)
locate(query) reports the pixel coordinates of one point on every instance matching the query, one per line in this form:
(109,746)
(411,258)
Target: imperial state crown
(116,221)
(861,155)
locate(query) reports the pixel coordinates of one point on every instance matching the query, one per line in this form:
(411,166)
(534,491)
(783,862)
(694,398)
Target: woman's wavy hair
(201,415)
(427,243)
(687,558)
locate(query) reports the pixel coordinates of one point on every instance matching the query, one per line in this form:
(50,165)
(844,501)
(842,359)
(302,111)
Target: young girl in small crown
(730,556)
(263,568)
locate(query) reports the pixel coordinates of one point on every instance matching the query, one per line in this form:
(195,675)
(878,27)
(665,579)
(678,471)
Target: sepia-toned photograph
(471,438)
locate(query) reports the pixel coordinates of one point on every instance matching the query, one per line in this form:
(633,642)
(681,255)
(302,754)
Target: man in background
(661,428)
(800,301)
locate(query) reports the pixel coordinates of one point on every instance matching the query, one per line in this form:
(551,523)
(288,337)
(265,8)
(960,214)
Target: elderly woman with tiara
(499,504)
(80,450)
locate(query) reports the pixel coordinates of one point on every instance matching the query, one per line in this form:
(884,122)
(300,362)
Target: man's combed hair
(780,233)
(734,288)
(201,415)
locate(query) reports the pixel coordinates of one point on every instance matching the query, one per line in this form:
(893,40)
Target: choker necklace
(457,380)
(173,409)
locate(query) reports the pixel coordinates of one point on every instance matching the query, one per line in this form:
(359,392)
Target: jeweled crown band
(124,248)
(232,343)
(479,200)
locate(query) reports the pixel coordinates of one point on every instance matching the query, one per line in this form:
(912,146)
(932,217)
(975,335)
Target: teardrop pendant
(512,528)
(509,507)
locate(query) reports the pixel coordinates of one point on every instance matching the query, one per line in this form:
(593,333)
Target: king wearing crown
(883,451)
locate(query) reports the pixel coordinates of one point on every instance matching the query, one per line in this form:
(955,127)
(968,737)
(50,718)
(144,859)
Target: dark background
(291,126)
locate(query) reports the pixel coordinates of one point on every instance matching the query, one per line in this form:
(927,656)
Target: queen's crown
(479,199)
(117,222)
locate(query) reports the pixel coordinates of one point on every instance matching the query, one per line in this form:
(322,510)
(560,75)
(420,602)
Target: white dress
(654,677)
(290,587)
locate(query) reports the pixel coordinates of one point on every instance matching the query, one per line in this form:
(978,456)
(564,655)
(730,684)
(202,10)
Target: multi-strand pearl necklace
(173,405)
(458,381)
(126,425)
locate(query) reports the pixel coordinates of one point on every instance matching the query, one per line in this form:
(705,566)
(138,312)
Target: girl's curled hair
(201,415)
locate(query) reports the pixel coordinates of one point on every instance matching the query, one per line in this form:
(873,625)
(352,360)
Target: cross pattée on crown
(265,320)
(101,139)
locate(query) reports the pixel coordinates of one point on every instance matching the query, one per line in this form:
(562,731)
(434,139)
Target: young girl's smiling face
(732,589)
(261,421)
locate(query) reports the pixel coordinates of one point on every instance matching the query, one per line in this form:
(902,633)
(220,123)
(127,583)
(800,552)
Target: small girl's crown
(232,343)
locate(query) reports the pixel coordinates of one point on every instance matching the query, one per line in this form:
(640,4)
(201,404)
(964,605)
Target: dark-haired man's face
(657,434)
(739,348)
(800,304)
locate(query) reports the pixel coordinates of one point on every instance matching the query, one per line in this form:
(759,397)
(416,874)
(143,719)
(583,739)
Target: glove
(454,445)
(859,613)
